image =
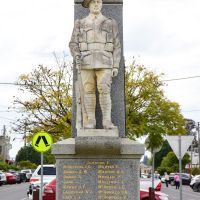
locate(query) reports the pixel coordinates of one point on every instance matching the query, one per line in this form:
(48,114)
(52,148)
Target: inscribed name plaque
(97,179)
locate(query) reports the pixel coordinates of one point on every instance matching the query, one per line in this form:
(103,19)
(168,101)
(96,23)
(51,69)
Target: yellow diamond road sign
(42,141)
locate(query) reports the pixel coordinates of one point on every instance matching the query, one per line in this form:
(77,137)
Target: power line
(183,78)
(191,111)
(26,84)
(167,80)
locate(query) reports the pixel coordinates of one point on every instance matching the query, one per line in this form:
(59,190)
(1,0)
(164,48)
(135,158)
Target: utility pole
(4,143)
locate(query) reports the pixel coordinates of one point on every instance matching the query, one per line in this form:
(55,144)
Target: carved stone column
(113,9)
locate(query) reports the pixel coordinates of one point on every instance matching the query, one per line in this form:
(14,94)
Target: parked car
(49,173)
(144,195)
(20,177)
(195,183)
(186,178)
(50,193)
(2,178)
(146,183)
(28,173)
(11,178)
(194,180)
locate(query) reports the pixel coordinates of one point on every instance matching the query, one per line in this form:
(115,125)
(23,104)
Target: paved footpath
(174,194)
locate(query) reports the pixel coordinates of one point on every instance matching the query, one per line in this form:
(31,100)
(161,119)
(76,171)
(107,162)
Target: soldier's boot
(90,105)
(105,103)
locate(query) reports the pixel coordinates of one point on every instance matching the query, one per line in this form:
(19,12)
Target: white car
(2,178)
(146,183)
(49,173)
(193,180)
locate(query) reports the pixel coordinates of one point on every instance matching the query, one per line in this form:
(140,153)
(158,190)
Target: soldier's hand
(114,72)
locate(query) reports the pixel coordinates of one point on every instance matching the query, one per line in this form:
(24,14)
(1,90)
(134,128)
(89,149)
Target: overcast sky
(164,35)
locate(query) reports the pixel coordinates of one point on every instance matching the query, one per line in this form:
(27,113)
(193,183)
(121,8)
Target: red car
(144,195)
(50,190)
(50,193)
(11,178)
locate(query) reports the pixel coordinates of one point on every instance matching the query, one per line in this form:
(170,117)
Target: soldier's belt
(96,46)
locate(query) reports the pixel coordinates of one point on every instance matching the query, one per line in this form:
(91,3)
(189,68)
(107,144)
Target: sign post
(42,142)
(153,151)
(180,165)
(179,145)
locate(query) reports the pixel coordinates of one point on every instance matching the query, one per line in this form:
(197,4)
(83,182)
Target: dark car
(22,176)
(186,178)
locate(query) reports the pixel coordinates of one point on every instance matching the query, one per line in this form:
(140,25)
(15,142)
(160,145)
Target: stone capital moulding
(104,1)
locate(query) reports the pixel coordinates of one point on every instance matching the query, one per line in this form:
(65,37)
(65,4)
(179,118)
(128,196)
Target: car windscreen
(48,171)
(25,171)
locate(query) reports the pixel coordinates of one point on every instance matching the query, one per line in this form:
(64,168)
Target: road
(14,191)
(174,194)
(18,192)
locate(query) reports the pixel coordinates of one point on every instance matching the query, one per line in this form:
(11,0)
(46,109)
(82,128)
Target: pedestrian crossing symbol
(42,141)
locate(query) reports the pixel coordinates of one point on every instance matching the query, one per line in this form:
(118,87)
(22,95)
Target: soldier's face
(95,6)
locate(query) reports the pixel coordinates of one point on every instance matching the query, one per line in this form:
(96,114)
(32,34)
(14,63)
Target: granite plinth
(94,168)
(68,147)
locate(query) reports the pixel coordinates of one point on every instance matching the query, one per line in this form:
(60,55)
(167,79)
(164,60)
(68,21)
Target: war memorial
(98,162)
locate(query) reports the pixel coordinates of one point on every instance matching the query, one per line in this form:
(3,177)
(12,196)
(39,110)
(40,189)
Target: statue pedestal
(98,133)
(94,168)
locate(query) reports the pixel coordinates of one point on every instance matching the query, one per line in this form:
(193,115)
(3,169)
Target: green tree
(148,111)
(162,153)
(50,102)
(27,153)
(171,162)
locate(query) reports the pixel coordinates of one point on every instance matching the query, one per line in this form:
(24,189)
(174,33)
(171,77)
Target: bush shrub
(5,167)
(195,171)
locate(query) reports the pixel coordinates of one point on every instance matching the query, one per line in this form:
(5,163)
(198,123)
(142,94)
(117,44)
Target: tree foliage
(148,111)
(171,163)
(28,154)
(5,167)
(50,102)
(162,153)
(27,165)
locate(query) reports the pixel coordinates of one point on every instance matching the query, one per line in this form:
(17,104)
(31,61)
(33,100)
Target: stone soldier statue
(96,49)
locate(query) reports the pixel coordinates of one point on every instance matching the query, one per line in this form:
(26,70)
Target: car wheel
(195,188)
(172,183)
(198,188)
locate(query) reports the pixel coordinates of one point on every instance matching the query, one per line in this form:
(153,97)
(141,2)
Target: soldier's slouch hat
(86,3)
